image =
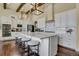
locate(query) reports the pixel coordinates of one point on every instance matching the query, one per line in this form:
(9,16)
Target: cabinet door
(72,38)
(61,39)
(44,47)
(69,39)
(53,45)
(63,18)
(71,21)
(57,20)
(60,20)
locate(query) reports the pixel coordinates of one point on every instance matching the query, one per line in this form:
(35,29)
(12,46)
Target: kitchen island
(48,42)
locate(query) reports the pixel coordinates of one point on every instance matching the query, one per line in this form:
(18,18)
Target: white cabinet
(66,20)
(57,20)
(68,39)
(60,20)
(71,18)
(71,39)
(53,45)
(61,38)
(63,19)
(48,46)
(44,47)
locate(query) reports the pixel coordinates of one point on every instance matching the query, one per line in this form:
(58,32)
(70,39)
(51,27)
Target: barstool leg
(38,51)
(28,50)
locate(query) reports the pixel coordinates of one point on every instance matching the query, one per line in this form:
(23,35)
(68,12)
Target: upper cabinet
(60,20)
(66,19)
(71,15)
(57,20)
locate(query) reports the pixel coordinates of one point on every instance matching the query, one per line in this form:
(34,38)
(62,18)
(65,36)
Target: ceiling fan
(36,10)
(22,15)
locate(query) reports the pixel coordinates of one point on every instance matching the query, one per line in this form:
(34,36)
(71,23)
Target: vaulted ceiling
(18,7)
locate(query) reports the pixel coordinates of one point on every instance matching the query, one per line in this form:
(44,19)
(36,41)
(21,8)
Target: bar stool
(24,47)
(33,48)
(25,39)
(25,42)
(18,42)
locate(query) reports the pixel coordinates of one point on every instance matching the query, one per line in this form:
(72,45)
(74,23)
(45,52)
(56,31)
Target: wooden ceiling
(21,5)
(32,9)
(18,6)
(5,5)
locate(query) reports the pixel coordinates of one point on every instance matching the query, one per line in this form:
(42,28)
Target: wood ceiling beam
(5,5)
(19,8)
(32,9)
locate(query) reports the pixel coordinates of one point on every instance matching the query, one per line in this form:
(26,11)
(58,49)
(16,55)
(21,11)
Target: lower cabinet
(48,46)
(44,47)
(65,21)
(68,40)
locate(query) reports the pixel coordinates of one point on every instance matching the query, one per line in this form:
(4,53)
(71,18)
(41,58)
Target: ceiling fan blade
(35,6)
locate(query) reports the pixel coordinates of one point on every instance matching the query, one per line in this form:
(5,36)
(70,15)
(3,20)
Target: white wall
(5,18)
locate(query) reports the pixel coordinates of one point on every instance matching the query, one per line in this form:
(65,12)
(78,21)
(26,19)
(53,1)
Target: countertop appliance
(30,28)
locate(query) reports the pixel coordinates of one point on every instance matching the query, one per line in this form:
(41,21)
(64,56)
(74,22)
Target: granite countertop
(33,35)
(40,35)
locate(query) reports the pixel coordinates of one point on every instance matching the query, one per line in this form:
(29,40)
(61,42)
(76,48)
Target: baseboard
(77,49)
(62,50)
(66,48)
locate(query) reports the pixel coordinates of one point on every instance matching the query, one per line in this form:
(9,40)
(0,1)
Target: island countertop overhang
(40,35)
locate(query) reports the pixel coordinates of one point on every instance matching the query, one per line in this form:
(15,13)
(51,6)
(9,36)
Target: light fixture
(36,10)
(23,15)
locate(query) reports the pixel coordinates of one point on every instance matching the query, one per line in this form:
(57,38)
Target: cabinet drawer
(60,43)
(69,44)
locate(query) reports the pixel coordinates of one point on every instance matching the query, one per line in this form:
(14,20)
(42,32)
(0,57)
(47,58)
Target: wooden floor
(9,49)
(63,51)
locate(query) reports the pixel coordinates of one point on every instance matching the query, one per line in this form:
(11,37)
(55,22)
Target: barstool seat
(25,39)
(25,42)
(33,42)
(33,48)
(24,47)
